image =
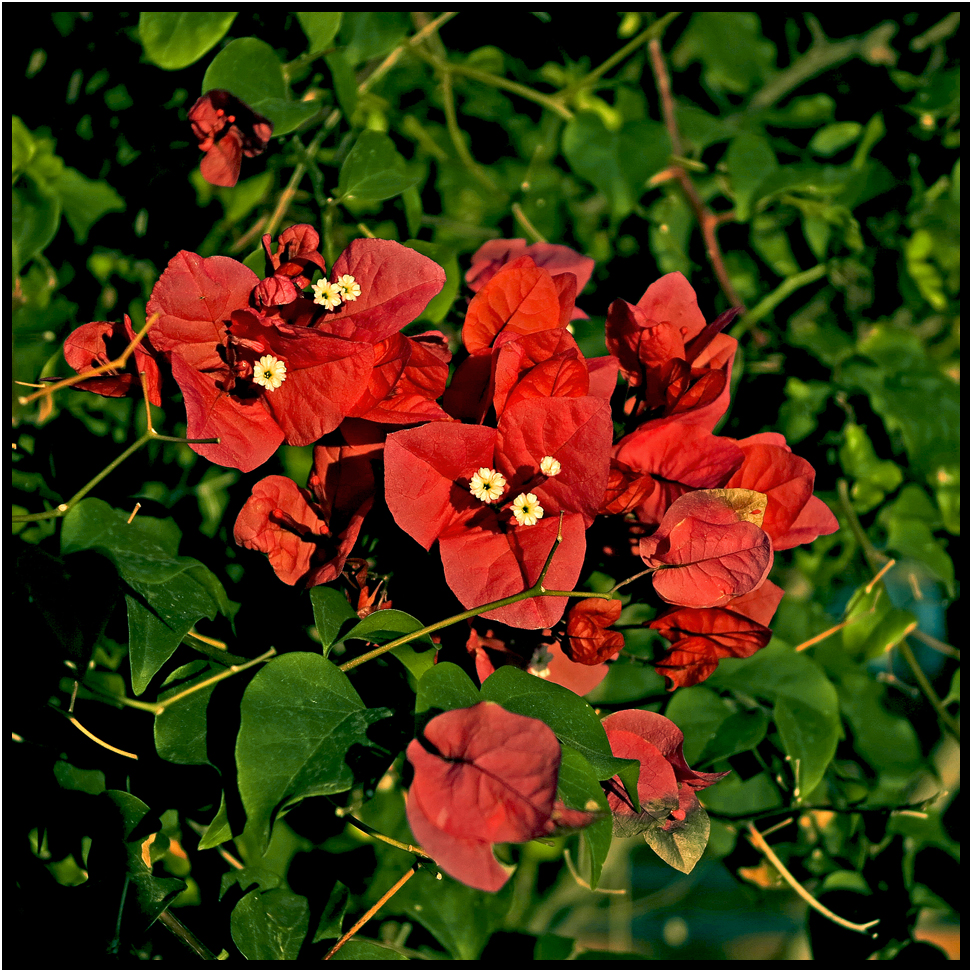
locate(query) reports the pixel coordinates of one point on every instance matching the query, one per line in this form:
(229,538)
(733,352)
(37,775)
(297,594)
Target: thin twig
(367,916)
(121,752)
(582,882)
(775,297)
(654,31)
(455,133)
(758,842)
(117,363)
(871,555)
(708,221)
(947,721)
(522,218)
(940,646)
(368,829)
(181,932)
(822,55)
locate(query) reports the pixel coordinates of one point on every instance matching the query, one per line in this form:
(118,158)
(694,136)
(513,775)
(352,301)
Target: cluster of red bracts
(489,465)
(485,776)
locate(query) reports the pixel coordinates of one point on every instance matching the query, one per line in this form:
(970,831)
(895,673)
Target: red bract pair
(492,496)
(667,786)
(484,776)
(256,376)
(227,129)
(308,533)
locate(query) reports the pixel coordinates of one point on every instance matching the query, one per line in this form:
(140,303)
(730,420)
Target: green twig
(874,559)
(495,81)
(821,56)
(537,590)
(655,30)
(368,829)
(947,721)
(771,300)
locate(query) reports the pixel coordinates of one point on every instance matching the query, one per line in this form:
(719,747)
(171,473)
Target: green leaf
(270,926)
(21,146)
(331,611)
(462,918)
(442,302)
(734,54)
(617,163)
(342,77)
(380,627)
(714,727)
(299,717)
(319,28)
(571,718)
(874,477)
(250,69)
(887,741)
(180,729)
(579,789)
(176,40)
(169,594)
(806,709)
(553,948)
(123,823)
(361,950)
(374,169)
(85,201)
(218,831)
(834,138)
(683,846)
(879,625)
(332,917)
(750,161)
(366,34)
(804,402)
(445,687)
(244,878)
(35,214)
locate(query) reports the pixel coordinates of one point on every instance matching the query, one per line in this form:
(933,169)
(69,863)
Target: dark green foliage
(823,149)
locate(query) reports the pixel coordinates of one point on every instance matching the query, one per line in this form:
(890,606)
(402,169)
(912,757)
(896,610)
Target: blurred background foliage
(808,171)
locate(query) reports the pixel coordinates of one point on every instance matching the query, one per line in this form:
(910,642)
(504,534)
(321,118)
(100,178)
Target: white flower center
(348,288)
(527,509)
(549,466)
(328,294)
(270,372)
(487,485)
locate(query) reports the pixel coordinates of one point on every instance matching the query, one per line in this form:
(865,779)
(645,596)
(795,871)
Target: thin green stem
(218,677)
(947,721)
(633,577)
(771,300)
(757,840)
(655,30)
(874,559)
(62,508)
(495,81)
(368,829)
(455,133)
(537,590)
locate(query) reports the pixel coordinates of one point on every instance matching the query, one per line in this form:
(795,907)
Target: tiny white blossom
(270,372)
(328,294)
(487,485)
(549,466)
(350,290)
(527,509)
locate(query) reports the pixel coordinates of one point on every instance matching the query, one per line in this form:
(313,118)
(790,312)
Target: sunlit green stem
(537,590)
(62,508)
(633,577)
(947,721)
(771,300)
(655,30)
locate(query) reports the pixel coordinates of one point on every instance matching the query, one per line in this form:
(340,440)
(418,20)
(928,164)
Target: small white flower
(487,485)
(349,289)
(527,509)
(270,372)
(328,294)
(549,466)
